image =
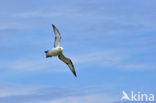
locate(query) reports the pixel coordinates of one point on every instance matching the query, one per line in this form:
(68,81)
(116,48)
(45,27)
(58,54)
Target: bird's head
(61,48)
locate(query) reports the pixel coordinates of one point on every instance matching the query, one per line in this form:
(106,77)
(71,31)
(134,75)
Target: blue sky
(111,43)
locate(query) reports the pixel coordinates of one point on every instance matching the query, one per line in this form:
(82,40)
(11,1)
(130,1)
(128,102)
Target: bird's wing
(68,62)
(57,36)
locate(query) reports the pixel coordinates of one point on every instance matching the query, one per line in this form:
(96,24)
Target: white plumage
(57,51)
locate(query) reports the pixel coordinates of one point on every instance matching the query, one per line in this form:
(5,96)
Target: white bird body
(54,52)
(58,51)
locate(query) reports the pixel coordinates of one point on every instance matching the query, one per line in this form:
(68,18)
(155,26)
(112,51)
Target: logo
(137,96)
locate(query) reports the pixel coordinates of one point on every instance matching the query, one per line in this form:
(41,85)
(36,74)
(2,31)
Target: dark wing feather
(57,36)
(68,62)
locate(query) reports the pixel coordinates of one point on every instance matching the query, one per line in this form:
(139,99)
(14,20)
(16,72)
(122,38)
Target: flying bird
(58,51)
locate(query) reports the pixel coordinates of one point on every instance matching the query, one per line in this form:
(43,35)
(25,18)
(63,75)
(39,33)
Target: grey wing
(57,36)
(68,62)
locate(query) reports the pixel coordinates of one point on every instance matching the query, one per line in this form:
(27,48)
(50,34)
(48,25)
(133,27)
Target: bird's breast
(55,52)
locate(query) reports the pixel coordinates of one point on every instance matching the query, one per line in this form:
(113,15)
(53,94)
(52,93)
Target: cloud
(34,94)
(108,18)
(116,58)
(138,66)
(22,65)
(14,25)
(47,14)
(105,57)
(7,91)
(92,98)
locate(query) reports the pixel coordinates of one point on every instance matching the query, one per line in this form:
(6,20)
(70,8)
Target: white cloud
(12,25)
(101,57)
(6,91)
(118,59)
(91,98)
(29,64)
(35,94)
(138,66)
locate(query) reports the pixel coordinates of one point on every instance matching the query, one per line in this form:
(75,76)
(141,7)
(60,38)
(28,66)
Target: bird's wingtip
(75,74)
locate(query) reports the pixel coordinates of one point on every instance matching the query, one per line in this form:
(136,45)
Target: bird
(57,50)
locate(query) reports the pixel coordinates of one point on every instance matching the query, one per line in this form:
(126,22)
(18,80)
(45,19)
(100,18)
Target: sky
(112,44)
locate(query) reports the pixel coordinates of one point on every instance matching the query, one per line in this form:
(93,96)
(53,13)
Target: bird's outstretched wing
(57,36)
(68,62)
